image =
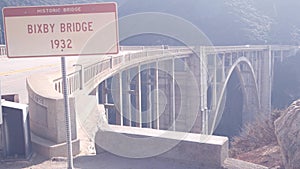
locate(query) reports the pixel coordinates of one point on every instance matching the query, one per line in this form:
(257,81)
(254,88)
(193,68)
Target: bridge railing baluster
(2,50)
(153,52)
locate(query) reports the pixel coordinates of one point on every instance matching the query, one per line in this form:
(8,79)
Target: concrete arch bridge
(203,89)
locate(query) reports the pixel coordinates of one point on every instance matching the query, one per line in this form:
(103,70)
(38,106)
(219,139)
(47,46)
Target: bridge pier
(196,64)
(203,89)
(156,100)
(126,97)
(266,81)
(165,87)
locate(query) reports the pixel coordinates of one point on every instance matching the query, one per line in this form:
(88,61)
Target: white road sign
(68,30)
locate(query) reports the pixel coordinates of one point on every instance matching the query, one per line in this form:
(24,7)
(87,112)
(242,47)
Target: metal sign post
(67,112)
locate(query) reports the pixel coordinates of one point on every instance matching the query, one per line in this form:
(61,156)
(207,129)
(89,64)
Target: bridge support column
(266,81)
(116,94)
(203,89)
(149,98)
(121,98)
(165,95)
(105,97)
(156,98)
(173,96)
(148,109)
(139,98)
(125,85)
(191,98)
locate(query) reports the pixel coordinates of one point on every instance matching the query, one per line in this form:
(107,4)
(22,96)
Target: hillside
(229,22)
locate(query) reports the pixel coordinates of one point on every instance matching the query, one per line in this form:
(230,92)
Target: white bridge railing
(143,52)
(74,79)
(147,52)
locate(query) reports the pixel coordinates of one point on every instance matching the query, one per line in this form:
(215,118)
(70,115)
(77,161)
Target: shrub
(256,134)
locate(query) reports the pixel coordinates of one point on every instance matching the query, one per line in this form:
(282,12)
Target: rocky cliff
(287,129)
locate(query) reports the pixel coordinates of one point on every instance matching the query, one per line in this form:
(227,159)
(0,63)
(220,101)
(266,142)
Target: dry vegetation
(257,143)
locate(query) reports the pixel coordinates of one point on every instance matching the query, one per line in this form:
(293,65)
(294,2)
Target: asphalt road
(13,72)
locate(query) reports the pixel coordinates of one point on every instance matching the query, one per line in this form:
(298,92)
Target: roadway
(13,72)
(109,161)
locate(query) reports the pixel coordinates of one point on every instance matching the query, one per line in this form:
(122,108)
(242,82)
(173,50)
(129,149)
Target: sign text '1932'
(61,44)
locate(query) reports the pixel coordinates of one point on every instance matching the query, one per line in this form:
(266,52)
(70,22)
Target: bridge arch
(46,102)
(220,106)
